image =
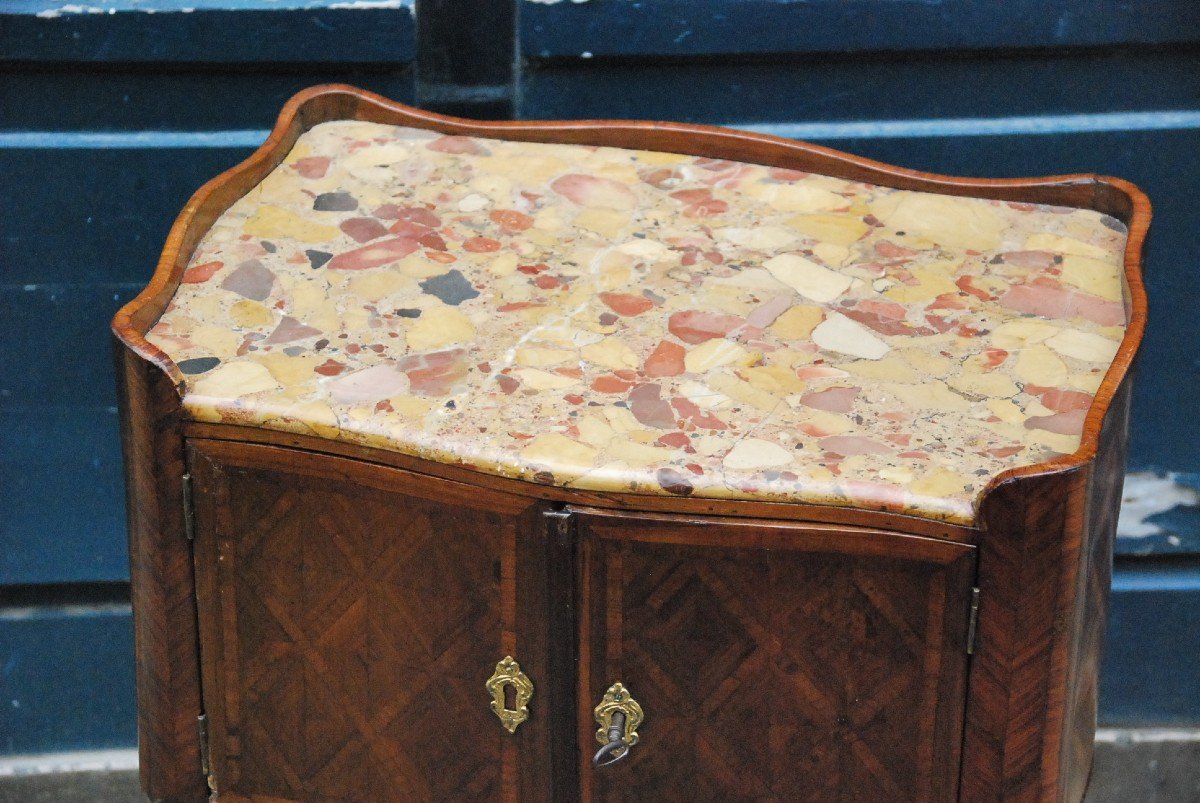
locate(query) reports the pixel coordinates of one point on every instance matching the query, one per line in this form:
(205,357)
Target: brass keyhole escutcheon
(618,715)
(508,674)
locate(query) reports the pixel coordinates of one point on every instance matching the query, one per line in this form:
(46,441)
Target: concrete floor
(1138,766)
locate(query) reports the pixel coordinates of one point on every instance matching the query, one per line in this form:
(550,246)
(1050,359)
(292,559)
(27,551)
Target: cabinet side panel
(1091,608)
(1029,567)
(164,616)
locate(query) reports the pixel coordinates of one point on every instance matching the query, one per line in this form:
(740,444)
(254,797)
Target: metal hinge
(189,512)
(205,756)
(973,621)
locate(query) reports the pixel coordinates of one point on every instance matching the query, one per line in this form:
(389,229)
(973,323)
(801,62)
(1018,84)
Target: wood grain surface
(774,661)
(350,615)
(163,593)
(1045,569)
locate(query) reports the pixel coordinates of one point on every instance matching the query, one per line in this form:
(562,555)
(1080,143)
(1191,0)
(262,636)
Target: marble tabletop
(621,320)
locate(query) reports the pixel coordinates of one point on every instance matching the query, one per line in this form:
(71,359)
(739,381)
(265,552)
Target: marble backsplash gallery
(623,320)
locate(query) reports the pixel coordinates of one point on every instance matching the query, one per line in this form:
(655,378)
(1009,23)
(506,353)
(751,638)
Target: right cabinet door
(773,660)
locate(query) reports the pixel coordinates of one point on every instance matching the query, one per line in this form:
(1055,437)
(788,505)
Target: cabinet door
(774,661)
(350,616)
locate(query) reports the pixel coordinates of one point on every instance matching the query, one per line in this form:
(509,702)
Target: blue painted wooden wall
(108,122)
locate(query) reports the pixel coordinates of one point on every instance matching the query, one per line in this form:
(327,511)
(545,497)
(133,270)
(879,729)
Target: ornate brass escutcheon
(508,673)
(619,716)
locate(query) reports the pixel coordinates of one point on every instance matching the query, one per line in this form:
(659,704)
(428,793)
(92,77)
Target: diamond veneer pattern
(703,638)
(351,644)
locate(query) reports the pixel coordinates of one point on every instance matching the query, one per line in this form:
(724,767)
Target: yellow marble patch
(440,326)
(274,221)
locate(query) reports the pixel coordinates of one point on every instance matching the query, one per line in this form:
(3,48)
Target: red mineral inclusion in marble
(1034,260)
(627,304)
(201,273)
(374,255)
(369,384)
(251,279)
(481,245)
(700,203)
(1047,298)
(1061,401)
(849,445)
(608,383)
(834,400)
(312,166)
(458,145)
(363,229)
(418,215)
(434,374)
(690,412)
(511,220)
(673,482)
(330,367)
(594,191)
(648,406)
(290,329)
(1060,423)
(665,360)
(765,314)
(696,326)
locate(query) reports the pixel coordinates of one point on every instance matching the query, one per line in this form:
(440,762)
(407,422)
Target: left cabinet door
(350,616)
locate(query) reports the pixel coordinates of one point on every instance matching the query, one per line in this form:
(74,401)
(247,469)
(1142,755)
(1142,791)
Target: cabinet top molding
(684,310)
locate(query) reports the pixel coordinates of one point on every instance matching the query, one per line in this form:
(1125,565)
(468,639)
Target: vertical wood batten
(467,57)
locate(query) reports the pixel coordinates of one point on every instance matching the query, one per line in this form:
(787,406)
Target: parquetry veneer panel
(346,630)
(809,664)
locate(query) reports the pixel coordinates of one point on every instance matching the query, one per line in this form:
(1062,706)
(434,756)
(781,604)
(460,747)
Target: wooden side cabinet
(622,461)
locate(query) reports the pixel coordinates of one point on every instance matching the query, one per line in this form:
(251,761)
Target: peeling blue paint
(1160,514)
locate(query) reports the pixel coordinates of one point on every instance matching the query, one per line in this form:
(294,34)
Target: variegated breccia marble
(621,320)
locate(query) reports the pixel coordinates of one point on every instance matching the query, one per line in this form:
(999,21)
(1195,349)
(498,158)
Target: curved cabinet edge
(162,586)
(1045,567)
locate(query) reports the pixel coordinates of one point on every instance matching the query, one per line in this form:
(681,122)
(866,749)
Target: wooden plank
(845,88)
(468,62)
(62,513)
(323,581)
(1154,620)
(111,224)
(1153,611)
(68,679)
(239,33)
(163,585)
(130,98)
(57,354)
(691,28)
